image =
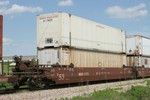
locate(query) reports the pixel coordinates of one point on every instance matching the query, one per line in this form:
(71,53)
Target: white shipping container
(138,45)
(80,58)
(63,29)
(138,61)
(48,57)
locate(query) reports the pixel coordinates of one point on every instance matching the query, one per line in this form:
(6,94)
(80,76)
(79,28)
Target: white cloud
(20,9)
(3,3)
(65,3)
(17,8)
(7,41)
(132,12)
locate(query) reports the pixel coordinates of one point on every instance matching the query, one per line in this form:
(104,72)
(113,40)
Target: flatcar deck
(7,78)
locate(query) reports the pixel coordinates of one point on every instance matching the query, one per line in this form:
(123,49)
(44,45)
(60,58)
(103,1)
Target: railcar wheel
(16,86)
(134,73)
(38,83)
(41,83)
(31,83)
(133,76)
(44,83)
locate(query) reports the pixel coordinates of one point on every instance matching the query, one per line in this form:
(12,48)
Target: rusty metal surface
(144,72)
(73,75)
(44,75)
(4,78)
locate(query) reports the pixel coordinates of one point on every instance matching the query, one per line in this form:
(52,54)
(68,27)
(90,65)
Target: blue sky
(19,34)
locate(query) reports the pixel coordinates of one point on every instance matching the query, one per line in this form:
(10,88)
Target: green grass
(7,68)
(4,86)
(135,93)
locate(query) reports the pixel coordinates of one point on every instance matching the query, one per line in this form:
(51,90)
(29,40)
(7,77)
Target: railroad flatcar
(42,76)
(74,50)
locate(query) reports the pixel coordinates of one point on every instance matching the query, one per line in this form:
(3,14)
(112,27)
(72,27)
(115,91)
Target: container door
(48,57)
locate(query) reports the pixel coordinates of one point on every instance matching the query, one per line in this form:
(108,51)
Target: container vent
(48,40)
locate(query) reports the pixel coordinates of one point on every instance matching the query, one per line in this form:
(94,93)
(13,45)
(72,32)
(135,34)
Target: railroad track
(11,91)
(58,92)
(25,88)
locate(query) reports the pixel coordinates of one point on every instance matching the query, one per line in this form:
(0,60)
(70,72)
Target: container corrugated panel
(145,61)
(138,61)
(133,61)
(146,46)
(1,36)
(97,59)
(92,35)
(138,45)
(62,29)
(81,58)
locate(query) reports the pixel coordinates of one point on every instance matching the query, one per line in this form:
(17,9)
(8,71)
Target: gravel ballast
(55,94)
